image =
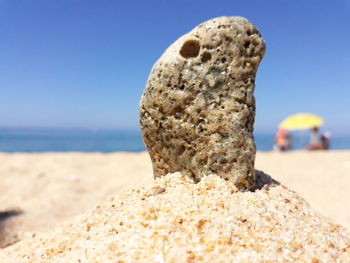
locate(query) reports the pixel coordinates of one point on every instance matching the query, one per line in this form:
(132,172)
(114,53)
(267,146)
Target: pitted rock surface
(198,109)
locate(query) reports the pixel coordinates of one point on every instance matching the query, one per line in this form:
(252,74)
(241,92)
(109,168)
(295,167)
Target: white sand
(172,219)
(52,188)
(321,177)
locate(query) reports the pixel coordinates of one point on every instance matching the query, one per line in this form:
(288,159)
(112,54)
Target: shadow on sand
(4,216)
(263,181)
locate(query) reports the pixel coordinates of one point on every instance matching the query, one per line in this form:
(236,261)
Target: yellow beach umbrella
(301,121)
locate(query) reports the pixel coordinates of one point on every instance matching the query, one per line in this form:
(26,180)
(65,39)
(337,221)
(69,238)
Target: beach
(106,158)
(47,189)
(320,177)
(75,206)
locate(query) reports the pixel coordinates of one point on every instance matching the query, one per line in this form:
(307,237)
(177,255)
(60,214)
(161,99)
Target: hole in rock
(246,44)
(206,56)
(177,109)
(190,49)
(182,149)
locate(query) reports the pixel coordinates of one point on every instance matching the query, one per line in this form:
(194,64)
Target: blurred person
(283,140)
(325,140)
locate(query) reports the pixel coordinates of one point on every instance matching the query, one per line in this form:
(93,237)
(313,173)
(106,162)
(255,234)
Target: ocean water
(83,140)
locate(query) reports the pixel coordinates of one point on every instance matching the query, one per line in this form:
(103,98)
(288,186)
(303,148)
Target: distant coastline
(111,140)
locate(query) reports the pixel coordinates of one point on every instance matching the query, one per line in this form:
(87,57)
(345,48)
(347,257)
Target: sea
(106,140)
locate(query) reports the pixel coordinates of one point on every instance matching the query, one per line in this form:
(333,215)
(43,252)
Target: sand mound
(173,220)
(46,189)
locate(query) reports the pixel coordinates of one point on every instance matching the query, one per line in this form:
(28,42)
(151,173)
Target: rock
(198,109)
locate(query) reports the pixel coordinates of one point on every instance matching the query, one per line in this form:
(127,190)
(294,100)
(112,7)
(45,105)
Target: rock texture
(198,109)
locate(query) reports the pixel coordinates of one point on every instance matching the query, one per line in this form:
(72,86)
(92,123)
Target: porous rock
(198,109)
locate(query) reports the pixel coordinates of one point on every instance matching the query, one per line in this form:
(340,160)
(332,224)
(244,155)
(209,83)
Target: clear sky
(84,63)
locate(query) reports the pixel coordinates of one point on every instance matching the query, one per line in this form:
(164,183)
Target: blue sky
(82,63)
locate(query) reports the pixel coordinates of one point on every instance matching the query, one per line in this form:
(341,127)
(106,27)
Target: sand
(52,189)
(321,177)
